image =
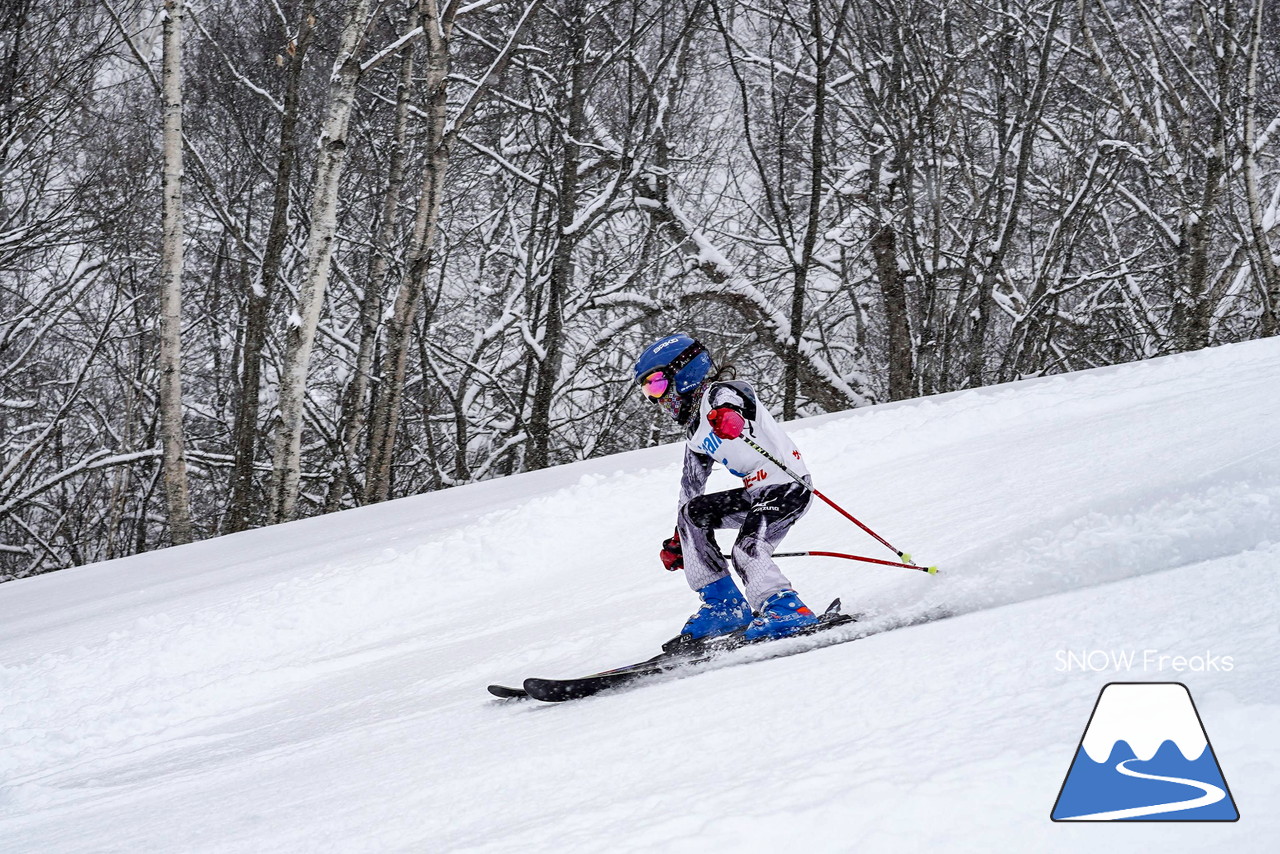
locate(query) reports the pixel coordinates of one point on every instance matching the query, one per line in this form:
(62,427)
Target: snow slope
(319,686)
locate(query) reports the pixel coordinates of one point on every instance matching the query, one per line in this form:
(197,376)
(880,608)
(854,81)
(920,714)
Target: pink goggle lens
(655,385)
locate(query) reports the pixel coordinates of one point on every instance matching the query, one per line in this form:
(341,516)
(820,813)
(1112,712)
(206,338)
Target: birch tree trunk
(391,386)
(1194,303)
(440,136)
(1268,276)
(319,250)
(353,404)
(245,432)
(171,433)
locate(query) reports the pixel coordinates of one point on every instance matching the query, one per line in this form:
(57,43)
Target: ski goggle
(655,385)
(659,380)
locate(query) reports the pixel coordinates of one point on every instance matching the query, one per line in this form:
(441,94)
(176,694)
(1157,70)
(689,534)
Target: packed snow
(320,686)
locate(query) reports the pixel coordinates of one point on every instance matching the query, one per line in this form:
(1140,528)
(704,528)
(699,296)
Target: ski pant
(762,516)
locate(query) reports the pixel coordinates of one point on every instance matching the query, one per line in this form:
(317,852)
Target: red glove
(671,554)
(727,423)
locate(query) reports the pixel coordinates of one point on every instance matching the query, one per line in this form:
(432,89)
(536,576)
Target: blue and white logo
(1145,756)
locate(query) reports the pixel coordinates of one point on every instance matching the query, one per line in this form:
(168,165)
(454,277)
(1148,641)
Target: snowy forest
(266,259)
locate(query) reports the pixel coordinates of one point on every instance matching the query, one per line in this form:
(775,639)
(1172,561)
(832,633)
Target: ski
(676,655)
(506,692)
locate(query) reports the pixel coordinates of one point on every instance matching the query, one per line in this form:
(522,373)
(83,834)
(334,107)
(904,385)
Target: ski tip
(505,693)
(559,690)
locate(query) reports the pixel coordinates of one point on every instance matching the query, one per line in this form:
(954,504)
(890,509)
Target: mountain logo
(1145,756)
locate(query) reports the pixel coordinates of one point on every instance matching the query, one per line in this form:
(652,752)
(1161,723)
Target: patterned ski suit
(763,510)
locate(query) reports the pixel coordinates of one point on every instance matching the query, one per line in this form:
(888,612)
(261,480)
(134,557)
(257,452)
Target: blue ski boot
(781,614)
(723,610)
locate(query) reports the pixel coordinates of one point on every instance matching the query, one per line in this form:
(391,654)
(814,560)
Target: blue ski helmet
(683,362)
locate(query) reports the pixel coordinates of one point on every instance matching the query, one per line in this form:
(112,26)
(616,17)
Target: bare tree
(172,435)
(355,400)
(257,314)
(1170,74)
(440,133)
(304,321)
(1262,253)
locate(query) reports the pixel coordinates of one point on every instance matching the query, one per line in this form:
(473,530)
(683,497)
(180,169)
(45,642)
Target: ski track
(244,671)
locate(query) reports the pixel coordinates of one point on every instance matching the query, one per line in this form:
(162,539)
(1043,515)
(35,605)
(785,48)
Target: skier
(677,374)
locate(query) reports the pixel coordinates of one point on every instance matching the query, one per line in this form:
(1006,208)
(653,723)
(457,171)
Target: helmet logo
(665,344)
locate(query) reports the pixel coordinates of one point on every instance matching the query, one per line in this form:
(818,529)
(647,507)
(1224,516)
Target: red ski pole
(932,570)
(845,513)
